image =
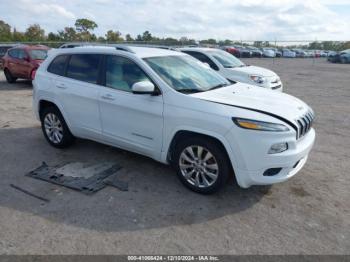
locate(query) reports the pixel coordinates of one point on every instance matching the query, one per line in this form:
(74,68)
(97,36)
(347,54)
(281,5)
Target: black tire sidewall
(218,152)
(9,78)
(67,139)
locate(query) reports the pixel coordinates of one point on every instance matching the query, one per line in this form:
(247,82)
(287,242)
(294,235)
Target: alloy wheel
(53,128)
(198,166)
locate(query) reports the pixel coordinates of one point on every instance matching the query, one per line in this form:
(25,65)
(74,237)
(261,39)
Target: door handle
(108,97)
(61,86)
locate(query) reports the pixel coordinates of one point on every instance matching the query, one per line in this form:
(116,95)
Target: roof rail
(123,48)
(156,46)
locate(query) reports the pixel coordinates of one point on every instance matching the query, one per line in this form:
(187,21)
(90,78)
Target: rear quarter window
(58,65)
(84,67)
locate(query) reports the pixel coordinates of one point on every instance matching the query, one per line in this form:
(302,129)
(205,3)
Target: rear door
(12,62)
(77,91)
(131,121)
(22,64)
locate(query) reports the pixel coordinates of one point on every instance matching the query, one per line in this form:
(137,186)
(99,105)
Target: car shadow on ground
(18,85)
(155,198)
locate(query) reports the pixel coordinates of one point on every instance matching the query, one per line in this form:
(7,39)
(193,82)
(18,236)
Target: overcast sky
(199,19)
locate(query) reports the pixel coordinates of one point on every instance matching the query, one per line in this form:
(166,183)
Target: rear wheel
(201,164)
(9,78)
(55,128)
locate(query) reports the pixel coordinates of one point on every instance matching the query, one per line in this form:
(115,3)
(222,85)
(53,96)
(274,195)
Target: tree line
(83,28)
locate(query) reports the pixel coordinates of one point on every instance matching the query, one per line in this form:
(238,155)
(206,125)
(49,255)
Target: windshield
(186,74)
(38,54)
(226,60)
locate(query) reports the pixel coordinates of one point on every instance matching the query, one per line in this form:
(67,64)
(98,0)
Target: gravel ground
(310,214)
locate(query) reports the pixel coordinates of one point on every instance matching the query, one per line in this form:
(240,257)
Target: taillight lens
(33,74)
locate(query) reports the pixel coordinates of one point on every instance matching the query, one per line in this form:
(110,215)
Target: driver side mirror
(143,88)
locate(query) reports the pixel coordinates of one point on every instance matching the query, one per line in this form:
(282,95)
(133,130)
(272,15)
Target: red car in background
(23,61)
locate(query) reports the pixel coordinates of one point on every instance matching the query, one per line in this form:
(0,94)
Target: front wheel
(55,128)
(202,164)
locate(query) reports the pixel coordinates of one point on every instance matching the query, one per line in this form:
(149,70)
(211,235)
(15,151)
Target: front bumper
(254,160)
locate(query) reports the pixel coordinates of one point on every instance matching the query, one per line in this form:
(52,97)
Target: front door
(131,121)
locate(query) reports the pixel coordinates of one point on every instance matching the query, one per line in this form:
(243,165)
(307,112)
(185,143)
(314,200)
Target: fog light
(278,148)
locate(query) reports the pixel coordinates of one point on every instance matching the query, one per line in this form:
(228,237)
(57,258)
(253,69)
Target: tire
(55,128)
(343,60)
(9,78)
(198,178)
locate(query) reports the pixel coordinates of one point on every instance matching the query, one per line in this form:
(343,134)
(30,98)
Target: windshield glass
(38,54)
(226,60)
(186,74)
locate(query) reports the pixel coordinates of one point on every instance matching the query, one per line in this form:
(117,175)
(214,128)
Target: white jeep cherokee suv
(170,107)
(234,69)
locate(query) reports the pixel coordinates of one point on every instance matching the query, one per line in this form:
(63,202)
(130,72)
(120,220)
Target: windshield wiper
(189,90)
(218,86)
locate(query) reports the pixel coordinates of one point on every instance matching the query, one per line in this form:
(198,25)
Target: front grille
(305,123)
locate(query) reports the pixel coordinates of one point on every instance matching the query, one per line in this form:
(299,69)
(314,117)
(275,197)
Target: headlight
(258,79)
(259,125)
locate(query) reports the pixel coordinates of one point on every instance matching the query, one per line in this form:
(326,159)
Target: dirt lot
(310,214)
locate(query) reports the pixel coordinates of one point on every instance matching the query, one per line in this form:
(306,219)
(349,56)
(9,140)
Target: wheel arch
(45,102)
(186,133)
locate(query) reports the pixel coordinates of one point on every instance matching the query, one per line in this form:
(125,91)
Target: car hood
(257,99)
(254,70)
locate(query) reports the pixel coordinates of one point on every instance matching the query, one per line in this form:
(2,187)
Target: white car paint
(147,124)
(241,74)
(268,52)
(288,53)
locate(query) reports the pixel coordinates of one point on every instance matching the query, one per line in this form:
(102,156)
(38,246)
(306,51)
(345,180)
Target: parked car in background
(170,107)
(231,49)
(331,54)
(23,61)
(341,57)
(299,53)
(234,69)
(277,52)
(288,53)
(323,53)
(243,51)
(3,50)
(268,52)
(255,51)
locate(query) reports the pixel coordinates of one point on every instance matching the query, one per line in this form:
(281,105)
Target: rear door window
(84,67)
(58,65)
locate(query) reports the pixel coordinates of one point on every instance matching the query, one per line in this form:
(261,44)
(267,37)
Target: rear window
(38,54)
(58,65)
(84,67)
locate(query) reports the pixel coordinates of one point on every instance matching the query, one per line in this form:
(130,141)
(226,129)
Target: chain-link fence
(277,49)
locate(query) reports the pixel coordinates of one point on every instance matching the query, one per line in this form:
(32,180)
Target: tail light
(32,76)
